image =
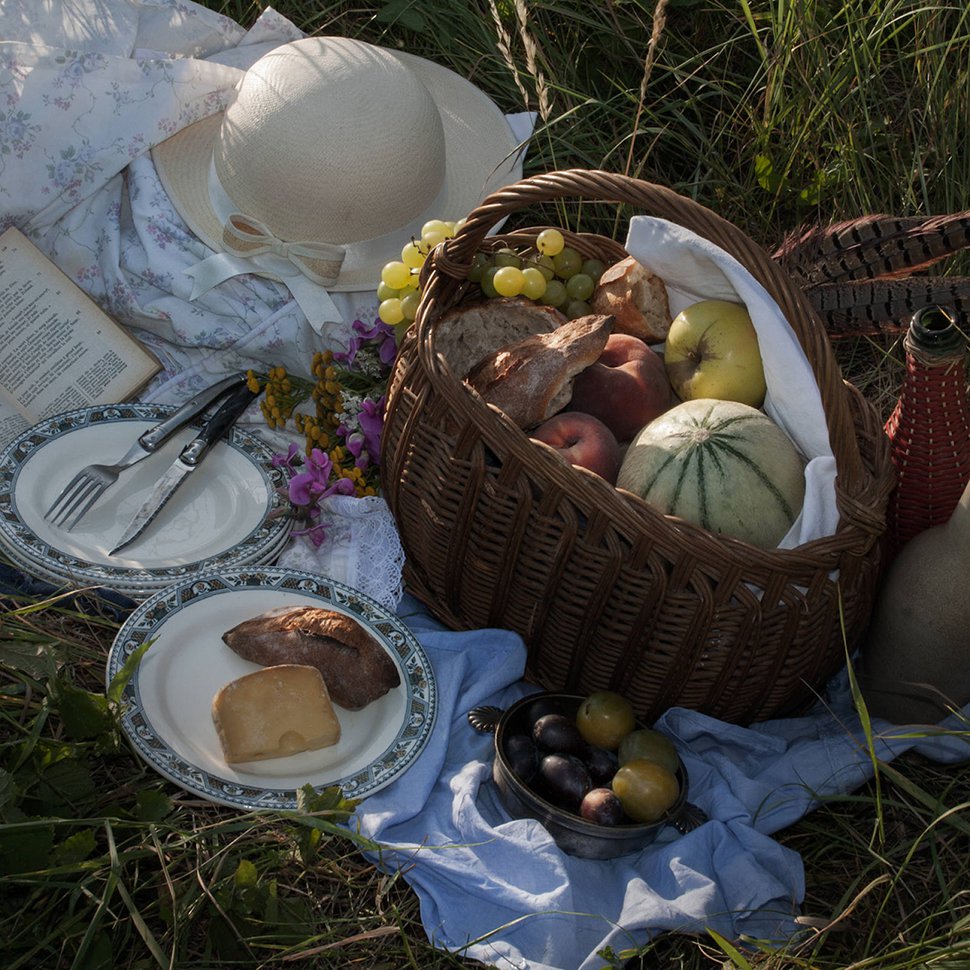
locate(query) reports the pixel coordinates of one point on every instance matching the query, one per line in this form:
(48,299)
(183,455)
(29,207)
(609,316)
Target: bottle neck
(933,333)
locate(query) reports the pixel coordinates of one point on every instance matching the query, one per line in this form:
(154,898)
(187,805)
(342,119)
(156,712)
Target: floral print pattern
(77,125)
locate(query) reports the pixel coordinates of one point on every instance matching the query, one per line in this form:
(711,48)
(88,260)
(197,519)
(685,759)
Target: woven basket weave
(606,591)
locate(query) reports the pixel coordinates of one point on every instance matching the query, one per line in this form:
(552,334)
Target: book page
(60,350)
(12,422)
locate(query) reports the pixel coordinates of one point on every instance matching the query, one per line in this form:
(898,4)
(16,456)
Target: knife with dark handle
(188,460)
(92,481)
(161,432)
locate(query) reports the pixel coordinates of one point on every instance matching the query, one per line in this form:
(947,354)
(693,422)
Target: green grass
(775,114)
(104,864)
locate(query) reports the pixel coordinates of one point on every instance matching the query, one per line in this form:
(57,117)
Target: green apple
(712,352)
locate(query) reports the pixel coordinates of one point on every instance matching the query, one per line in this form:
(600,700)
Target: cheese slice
(274,712)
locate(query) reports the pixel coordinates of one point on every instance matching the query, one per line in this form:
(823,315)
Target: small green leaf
(85,714)
(309,841)
(25,848)
(768,178)
(271,909)
(120,680)
(402,13)
(152,805)
(813,192)
(35,658)
(75,848)
(62,787)
(246,875)
(330,799)
(737,958)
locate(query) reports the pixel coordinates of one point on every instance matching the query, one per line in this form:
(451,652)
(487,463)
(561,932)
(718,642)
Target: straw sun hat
(332,155)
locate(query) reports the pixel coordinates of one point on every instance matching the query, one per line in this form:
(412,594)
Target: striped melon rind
(722,465)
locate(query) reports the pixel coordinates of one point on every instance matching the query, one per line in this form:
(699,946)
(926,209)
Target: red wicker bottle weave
(929,429)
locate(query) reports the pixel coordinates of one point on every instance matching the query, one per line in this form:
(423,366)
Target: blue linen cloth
(499,890)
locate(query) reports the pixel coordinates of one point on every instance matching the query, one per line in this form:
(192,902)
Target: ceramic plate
(168,700)
(136,591)
(228,512)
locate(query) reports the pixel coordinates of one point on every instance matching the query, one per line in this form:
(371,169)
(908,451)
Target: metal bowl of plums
(601,782)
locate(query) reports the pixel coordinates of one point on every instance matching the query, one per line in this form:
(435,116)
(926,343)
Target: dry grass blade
(357,938)
(503,42)
(532,60)
(659,22)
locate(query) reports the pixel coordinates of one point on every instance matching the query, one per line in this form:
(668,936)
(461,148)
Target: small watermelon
(722,465)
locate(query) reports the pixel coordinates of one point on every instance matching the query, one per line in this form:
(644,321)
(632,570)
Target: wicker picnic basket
(606,592)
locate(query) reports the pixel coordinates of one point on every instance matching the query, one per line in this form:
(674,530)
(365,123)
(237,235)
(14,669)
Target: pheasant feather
(885,305)
(859,274)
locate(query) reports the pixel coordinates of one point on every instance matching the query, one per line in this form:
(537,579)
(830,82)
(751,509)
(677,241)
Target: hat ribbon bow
(306,268)
(246,237)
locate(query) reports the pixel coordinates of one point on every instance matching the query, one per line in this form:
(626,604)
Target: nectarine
(582,440)
(626,388)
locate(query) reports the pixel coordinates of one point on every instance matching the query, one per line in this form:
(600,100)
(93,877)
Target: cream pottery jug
(916,659)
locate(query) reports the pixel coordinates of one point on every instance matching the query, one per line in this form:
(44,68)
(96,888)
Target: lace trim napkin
(361,549)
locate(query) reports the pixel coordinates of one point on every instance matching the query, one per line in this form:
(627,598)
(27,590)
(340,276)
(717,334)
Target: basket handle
(450,263)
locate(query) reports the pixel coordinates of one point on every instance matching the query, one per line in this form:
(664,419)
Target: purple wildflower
(289,460)
(355,445)
(371,418)
(380,333)
(313,483)
(308,487)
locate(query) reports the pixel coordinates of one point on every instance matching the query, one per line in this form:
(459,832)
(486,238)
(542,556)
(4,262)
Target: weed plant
(775,113)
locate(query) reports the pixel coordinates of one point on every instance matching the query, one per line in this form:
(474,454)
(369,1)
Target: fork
(84,489)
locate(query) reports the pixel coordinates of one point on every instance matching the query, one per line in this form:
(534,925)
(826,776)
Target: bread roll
(532,380)
(273,713)
(356,668)
(469,333)
(636,298)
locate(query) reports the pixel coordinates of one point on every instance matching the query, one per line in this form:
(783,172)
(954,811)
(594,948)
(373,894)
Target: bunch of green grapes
(556,276)
(398,291)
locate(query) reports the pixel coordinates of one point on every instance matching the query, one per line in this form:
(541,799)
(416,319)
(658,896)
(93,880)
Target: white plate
(168,700)
(136,591)
(230,511)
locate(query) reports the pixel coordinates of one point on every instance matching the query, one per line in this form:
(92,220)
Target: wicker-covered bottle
(929,428)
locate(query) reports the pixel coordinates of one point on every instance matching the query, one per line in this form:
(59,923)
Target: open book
(60,351)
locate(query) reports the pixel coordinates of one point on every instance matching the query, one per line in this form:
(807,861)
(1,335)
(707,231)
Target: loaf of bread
(355,667)
(470,332)
(636,298)
(532,379)
(274,712)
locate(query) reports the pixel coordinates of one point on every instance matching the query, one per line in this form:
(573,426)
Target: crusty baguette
(636,298)
(355,667)
(532,379)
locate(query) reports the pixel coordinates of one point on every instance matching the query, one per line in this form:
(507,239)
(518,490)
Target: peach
(582,440)
(626,388)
